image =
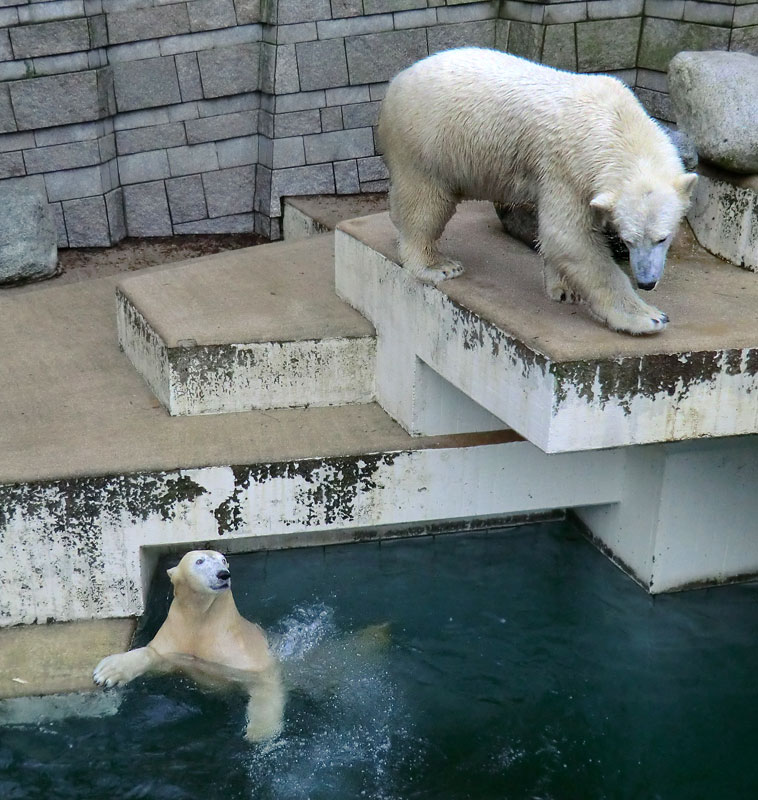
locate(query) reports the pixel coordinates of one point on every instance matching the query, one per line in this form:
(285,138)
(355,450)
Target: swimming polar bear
(205,636)
(479,124)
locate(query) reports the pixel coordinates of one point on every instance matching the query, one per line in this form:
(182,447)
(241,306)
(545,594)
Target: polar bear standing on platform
(480,124)
(206,637)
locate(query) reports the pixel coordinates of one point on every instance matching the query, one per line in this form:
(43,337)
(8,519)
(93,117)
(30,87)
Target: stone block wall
(332,65)
(633,39)
(134,117)
(155,117)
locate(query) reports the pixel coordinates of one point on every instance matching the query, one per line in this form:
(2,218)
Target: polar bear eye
(200,561)
(661,241)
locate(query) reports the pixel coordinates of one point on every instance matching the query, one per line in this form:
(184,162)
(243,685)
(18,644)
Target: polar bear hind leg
(420,213)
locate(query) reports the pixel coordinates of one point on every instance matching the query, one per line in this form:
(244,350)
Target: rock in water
(28,239)
(714,97)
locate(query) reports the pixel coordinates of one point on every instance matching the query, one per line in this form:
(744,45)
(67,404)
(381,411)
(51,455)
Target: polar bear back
(459,112)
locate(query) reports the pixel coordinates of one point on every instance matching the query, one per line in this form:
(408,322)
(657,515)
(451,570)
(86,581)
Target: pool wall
(84,547)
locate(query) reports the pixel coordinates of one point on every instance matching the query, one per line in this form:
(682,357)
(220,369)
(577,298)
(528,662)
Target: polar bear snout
(648,262)
(223,575)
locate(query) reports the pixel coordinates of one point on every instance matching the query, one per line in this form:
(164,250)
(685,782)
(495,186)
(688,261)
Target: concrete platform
(97,479)
(256,328)
(48,659)
(724,215)
(73,406)
(548,370)
(310,215)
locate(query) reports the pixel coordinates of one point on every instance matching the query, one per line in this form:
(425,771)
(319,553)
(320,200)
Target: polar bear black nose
(223,574)
(647,286)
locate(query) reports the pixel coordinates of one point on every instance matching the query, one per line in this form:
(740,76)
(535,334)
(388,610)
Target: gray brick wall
(148,117)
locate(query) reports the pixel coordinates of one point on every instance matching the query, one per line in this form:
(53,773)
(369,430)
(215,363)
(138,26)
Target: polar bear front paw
(121,668)
(651,320)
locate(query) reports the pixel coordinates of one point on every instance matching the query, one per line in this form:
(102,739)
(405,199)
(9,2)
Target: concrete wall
(152,117)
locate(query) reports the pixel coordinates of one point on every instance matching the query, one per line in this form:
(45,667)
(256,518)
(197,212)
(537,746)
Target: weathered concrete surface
(83,548)
(314,214)
(724,215)
(687,514)
(47,659)
(255,328)
(548,370)
(74,406)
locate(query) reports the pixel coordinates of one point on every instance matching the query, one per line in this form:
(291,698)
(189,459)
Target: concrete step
(546,369)
(257,328)
(310,215)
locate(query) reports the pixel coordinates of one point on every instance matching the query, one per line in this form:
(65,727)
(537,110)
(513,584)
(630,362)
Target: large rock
(28,239)
(714,97)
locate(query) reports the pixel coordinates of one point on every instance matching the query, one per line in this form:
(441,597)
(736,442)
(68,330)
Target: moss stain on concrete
(331,488)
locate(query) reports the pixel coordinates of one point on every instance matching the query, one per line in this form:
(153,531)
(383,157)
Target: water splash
(346,729)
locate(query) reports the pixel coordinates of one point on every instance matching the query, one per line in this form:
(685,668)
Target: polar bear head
(202,571)
(646,213)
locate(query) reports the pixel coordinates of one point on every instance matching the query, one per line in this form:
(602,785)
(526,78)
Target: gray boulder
(714,98)
(28,238)
(686,148)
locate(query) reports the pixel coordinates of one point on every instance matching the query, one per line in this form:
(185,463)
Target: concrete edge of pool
(58,657)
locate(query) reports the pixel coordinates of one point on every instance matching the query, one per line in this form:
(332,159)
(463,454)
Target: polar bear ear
(604,202)
(172,574)
(686,183)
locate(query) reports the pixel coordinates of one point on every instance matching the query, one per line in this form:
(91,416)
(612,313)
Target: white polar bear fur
(205,636)
(480,124)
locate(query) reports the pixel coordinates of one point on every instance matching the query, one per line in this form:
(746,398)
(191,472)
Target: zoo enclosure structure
(148,118)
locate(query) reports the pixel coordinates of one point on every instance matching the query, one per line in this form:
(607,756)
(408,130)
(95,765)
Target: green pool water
(521,665)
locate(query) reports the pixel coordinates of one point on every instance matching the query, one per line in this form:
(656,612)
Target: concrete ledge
(250,329)
(548,370)
(93,542)
(48,659)
(724,215)
(313,214)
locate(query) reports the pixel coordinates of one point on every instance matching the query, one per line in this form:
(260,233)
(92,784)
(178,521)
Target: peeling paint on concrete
(194,379)
(55,533)
(72,548)
(239,377)
(724,218)
(327,490)
(620,381)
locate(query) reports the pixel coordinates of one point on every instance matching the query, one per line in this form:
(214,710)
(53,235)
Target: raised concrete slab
(724,215)
(73,406)
(257,328)
(548,370)
(311,215)
(48,659)
(96,479)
